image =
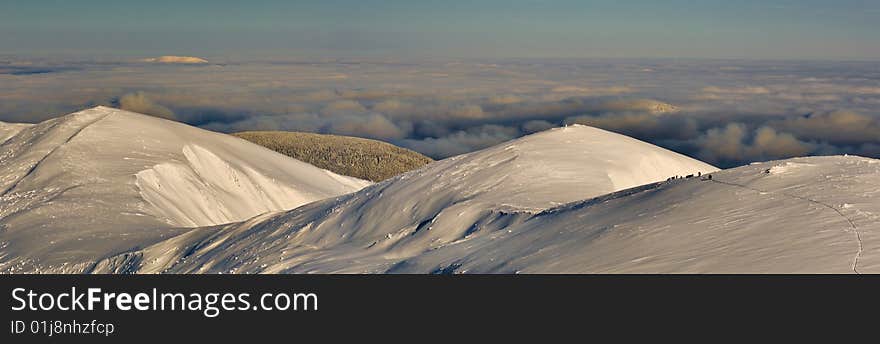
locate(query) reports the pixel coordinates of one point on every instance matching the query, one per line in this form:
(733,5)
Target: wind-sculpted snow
(207,190)
(454,200)
(804,215)
(92,184)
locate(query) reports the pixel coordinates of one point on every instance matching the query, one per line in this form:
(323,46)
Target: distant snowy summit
(661,108)
(651,106)
(175,60)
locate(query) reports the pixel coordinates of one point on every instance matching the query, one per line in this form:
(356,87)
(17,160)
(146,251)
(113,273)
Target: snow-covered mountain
(109,191)
(97,182)
(454,200)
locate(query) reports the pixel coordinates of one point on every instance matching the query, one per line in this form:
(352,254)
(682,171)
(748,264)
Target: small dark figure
(689,176)
(699,173)
(710,177)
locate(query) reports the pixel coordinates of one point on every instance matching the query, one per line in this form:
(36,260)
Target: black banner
(77,308)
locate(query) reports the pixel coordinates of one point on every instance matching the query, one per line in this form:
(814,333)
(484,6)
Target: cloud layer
(726,113)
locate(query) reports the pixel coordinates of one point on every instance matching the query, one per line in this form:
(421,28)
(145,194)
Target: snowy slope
(456,199)
(97,182)
(568,200)
(8,130)
(804,215)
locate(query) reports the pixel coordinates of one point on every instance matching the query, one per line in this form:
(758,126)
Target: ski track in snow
(854,228)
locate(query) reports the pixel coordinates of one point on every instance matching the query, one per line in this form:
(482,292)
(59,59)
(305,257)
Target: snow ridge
(52,151)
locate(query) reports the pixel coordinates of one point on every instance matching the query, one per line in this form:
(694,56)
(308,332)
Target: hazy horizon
(790,30)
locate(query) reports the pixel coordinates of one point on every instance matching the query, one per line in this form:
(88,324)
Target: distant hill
(351,156)
(175,59)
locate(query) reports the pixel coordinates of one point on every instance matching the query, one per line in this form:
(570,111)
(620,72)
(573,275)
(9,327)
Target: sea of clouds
(726,113)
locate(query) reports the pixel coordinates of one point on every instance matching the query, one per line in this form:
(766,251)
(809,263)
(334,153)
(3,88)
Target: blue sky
(775,29)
